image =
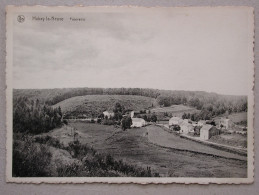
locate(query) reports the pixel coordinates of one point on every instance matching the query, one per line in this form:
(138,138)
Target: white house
(186,127)
(109,114)
(175,121)
(138,122)
(207,131)
(225,123)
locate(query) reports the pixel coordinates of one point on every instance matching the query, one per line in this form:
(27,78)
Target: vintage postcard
(130,94)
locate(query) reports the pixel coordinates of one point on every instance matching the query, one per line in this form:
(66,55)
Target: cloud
(163,49)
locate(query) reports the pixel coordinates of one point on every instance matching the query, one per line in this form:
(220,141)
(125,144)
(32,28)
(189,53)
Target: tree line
(210,105)
(216,104)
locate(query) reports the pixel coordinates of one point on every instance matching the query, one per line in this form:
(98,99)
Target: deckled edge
(253,95)
(8,99)
(81,180)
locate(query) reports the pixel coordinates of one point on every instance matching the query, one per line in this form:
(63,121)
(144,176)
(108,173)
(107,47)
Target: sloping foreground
(134,147)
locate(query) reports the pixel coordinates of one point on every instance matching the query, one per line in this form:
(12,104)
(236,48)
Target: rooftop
(137,120)
(206,127)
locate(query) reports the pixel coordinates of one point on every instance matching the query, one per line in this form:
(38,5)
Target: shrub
(50,141)
(108,122)
(30,159)
(71,170)
(100,165)
(78,150)
(65,122)
(99,120)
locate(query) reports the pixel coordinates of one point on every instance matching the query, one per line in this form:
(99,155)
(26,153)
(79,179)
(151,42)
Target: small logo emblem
(20,18)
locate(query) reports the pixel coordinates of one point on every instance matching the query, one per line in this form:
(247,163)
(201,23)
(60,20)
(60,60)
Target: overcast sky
(165,49)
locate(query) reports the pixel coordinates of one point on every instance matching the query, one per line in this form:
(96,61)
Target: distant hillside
(211,103)
(93,105)
(53,96)
(174,110)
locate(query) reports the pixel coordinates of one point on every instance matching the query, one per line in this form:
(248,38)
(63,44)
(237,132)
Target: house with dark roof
(207,131)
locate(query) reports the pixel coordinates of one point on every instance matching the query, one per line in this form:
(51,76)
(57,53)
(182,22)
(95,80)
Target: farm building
(109,114)
(225,123)
(207,131)
(175,121)
(138,122)
(186,127)
(132,114)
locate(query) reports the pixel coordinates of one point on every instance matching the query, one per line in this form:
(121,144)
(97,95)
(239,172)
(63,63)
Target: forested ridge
(214,103)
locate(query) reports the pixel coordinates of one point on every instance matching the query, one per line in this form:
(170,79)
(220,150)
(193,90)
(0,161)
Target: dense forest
(30,116)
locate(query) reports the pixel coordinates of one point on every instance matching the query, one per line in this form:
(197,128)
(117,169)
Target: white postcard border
(184,180)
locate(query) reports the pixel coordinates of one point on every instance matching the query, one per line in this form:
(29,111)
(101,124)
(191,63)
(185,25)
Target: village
(209,132)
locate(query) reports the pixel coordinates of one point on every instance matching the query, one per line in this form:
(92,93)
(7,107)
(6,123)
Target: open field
(175,110)
(162,138)
(235,117)
(238,117)
(233,139)
(134,147)
(96,104)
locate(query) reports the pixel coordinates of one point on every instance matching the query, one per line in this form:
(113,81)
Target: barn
(138,122)
(207,131)
(175,121)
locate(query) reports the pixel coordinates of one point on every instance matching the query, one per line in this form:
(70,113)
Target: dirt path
(158,136)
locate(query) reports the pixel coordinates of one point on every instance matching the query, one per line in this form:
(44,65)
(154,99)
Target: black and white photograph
(130,94)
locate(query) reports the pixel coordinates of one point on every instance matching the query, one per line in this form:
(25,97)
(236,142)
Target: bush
(65,122)
(126,123)
(176,128)
(100,165)
(71,170)
(108,122)
(78,150)
(50,141)
(30,159)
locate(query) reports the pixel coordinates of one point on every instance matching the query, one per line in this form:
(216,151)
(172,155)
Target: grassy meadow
(134,147)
